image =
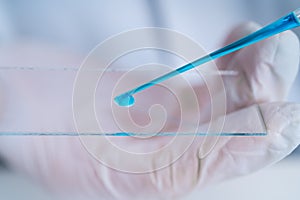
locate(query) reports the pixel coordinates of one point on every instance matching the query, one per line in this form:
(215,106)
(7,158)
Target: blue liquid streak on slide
(122,134)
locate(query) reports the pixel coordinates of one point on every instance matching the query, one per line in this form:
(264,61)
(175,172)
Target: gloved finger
(236,156)
(266,69)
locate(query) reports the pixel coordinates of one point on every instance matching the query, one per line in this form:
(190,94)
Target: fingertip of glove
(248,27)
(290,35)
(289,41)
(242,30)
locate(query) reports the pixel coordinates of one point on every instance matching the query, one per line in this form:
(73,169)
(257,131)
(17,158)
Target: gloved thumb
(236,156)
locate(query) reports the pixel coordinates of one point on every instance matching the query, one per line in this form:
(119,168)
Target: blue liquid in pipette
(285,23)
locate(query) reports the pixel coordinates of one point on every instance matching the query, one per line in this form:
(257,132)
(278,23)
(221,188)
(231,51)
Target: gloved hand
(266,72)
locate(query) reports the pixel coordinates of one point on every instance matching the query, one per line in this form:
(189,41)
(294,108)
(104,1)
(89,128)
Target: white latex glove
(267,70)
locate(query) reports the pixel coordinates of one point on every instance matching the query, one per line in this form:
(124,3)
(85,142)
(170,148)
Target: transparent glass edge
(129,134)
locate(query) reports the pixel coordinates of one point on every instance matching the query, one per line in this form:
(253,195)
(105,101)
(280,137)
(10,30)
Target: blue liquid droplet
(124,100)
